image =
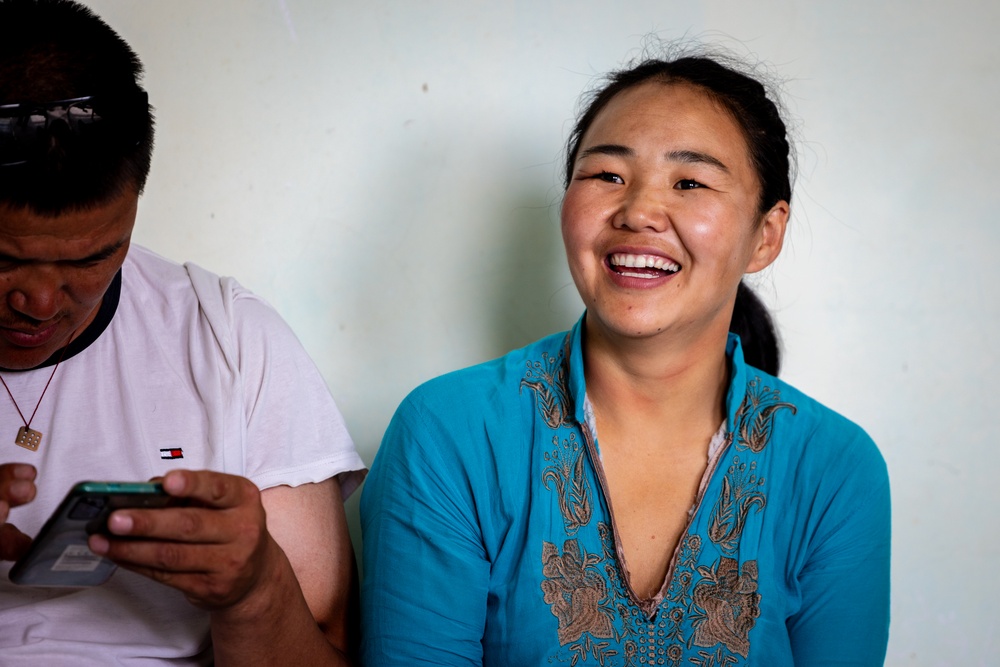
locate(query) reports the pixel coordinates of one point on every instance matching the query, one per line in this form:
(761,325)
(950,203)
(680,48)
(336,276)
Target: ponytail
(753,324)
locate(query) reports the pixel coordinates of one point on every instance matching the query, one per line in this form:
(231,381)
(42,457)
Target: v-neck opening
(718,444)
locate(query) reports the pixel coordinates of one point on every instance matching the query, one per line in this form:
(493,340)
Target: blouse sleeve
(844,584)
(426,573)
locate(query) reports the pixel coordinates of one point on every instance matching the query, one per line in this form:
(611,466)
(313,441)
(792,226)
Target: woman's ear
(770,236)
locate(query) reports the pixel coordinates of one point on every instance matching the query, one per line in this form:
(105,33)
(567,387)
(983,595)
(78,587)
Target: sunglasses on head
(25,126)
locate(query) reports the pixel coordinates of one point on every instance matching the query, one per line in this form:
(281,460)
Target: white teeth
(643,262)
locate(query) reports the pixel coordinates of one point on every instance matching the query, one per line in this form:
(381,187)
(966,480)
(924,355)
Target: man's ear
(770,236)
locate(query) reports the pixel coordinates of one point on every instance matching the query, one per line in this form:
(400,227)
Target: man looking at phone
(119,365)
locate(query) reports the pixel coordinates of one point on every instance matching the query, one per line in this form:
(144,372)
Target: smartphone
(59,556)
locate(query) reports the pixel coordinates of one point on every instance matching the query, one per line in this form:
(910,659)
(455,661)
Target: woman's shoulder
(473,417)
(492,383)
(810,434)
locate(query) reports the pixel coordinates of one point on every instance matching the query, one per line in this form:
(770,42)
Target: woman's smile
(638,269)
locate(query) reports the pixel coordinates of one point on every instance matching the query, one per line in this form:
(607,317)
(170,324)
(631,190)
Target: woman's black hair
(758,336)
(758,116)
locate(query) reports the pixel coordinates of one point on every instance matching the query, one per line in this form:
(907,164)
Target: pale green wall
(386,173)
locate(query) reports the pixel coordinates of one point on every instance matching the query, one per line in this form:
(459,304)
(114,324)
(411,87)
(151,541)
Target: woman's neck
(677,384)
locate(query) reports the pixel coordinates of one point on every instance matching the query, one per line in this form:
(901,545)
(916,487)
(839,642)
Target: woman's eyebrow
(685,156)
(615,150)
(695,157)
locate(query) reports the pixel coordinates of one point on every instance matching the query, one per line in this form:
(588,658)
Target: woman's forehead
(668,111)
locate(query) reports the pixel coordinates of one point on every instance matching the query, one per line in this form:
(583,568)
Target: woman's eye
(608,177)
(688,184)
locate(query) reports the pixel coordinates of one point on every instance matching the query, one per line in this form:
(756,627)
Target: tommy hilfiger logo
(172,453)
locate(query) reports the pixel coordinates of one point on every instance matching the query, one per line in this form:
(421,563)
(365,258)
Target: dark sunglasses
(24,126)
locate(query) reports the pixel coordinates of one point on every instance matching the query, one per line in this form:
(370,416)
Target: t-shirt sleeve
(426,572)
(844,584)
(294,432)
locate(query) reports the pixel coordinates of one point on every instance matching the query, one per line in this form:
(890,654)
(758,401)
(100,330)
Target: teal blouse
(488,539)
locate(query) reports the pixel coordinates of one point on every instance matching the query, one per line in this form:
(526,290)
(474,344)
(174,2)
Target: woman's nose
(644,209)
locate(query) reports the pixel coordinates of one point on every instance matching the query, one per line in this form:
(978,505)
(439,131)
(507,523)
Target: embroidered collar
(578,385)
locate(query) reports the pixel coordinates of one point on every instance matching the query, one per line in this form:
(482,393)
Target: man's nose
(36,294)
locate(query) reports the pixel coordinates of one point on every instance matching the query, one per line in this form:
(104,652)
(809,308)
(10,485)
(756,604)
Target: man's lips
(23,337)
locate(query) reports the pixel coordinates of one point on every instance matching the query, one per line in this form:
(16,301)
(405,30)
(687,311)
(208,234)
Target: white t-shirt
(189,361)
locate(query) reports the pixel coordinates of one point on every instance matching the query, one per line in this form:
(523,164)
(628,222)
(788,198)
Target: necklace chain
(26,436)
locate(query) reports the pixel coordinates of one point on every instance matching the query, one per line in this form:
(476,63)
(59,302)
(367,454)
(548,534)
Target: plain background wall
(387,175)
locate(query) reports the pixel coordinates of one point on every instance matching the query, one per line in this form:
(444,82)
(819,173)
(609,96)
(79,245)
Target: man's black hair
(54,50)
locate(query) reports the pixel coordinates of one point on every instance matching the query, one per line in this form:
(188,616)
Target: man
(119,365)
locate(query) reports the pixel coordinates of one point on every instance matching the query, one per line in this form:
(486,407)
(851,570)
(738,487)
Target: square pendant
(28,438)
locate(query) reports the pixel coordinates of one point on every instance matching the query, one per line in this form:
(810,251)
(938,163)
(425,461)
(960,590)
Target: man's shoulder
(150,280)
(148,277)
(144,268)
(143,257)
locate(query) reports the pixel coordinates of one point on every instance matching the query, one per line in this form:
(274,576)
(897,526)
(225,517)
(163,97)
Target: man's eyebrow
(696,157)
(99,256)
(102,254)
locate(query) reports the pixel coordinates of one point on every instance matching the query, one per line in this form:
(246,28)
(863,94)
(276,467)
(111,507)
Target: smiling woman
(663,177)
(633,491)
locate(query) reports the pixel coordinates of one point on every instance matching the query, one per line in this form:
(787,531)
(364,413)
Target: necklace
(28,437)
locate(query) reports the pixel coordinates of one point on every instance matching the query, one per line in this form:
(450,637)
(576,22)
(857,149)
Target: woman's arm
(844,618)
(426,573)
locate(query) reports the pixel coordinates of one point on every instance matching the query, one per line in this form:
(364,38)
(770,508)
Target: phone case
(59,555)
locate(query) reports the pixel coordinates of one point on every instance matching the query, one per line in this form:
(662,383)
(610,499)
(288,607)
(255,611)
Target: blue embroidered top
(488,539)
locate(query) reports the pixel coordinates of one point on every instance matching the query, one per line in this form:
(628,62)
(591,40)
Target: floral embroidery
(755,418)
(600,650)
(712,600)
(717,659)
(566,472)
(679,591)
(739,495)
(730,605)
(725,603)
(549,379)
(577,594)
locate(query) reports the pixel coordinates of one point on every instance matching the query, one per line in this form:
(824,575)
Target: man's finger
(179,524)
(11,471)
(13,543)
(150,555)
(212,489)
(17,485)
(209,574)
(17,492)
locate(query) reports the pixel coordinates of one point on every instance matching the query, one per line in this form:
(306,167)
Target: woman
(633,492)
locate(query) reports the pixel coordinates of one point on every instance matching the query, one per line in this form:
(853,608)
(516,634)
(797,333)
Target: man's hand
(278,596)
(17,487)
(216,550)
